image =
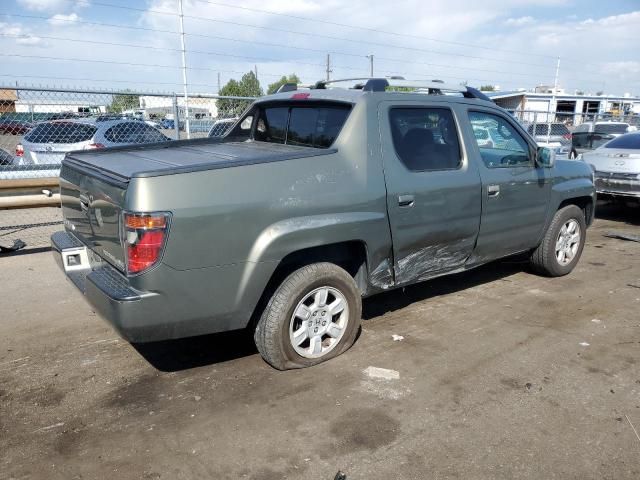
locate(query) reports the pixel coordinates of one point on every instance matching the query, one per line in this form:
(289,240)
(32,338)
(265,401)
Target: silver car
(48,142)
(617,166)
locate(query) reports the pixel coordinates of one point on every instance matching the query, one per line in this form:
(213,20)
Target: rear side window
(309,126)
(60,132)
(133,132)
(626,141)
(425,138)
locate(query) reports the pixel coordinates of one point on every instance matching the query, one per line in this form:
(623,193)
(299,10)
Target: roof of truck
(362,88)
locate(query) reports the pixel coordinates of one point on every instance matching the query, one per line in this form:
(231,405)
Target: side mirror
(545,157)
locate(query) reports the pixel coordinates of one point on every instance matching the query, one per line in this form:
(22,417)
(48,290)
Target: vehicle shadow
(188,353)
(193,352)
(619,212)
(403,297)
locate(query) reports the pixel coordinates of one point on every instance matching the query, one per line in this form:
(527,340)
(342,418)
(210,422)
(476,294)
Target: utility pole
(219,83)
(553,100)
(329,67)
(370,57)
(255,70)
(184,73)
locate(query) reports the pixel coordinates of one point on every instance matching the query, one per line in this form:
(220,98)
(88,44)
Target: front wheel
(313,316)
(562,245)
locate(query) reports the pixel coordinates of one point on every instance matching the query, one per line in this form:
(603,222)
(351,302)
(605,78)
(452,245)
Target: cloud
(62,19)
(519,22)
(52,5)
(43,5)
(20,35)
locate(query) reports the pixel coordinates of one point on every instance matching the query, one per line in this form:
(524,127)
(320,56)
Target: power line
(112,62)
(308,34)
(102,80)
(368,29)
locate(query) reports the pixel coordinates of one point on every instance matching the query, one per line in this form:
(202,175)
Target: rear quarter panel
(232,226)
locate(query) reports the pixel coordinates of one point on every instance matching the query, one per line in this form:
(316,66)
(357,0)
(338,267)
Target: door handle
(406,201)
(493,190)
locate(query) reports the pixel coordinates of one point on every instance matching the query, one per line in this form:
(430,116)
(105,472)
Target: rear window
(133,132)
(611,128)
(631,142)
(62,132)
(309,126)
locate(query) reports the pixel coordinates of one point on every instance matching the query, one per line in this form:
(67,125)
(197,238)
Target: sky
(135,44)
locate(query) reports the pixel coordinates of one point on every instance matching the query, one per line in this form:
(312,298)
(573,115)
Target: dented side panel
(437,233)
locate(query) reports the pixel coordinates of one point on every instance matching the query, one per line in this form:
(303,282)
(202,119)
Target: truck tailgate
(92,205)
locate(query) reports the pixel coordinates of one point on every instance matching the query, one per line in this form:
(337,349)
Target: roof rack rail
(287,87)
(373,84)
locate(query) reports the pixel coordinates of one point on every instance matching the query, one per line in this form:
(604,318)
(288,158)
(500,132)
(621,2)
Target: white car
(48,142)
(616,166)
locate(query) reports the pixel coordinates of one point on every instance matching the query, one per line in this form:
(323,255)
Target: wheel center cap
(318,321)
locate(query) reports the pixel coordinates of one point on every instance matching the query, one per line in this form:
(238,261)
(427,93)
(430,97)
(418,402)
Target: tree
(248,86)
(273,88)
(122,101)
(487,88)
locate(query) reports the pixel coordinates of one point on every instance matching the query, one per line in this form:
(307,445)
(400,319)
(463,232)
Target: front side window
(506,148)
(425,138)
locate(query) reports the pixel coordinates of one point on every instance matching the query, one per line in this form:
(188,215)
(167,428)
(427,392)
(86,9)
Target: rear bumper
(134,314)
(610,185)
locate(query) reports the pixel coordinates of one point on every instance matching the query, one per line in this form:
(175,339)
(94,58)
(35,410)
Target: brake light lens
(93,146)
(567,136)
(300,96)
(19,150)
(145,236)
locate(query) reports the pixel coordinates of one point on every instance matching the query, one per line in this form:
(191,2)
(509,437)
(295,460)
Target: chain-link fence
(38,126)
(572,133)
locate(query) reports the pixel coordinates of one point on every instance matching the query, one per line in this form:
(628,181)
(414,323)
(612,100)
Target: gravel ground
(500,374)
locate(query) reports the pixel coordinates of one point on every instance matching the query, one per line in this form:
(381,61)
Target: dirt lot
(502,374)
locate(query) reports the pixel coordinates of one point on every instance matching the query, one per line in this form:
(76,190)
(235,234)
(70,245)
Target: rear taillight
(19,150)
(567,136)
(93,146)
(145,235)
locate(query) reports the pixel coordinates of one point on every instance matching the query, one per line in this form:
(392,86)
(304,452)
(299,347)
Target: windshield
(611,128)
(631,142)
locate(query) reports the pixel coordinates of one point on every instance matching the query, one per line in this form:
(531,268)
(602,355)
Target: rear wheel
(573,155)
(562,245)
(313,316)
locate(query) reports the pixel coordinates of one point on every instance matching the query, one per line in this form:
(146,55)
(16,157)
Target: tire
(548,259)
(573,155)
(290,336)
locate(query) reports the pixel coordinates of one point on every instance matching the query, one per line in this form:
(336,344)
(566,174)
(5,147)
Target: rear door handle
(406,201)
(493,190)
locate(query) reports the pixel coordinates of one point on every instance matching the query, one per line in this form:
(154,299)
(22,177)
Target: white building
(157,106)
(34,105)
(530,106)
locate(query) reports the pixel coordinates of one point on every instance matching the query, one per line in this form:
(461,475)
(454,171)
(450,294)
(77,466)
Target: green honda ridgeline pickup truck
(315,199)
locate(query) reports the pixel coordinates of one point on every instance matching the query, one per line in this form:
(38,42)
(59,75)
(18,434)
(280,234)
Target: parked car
(554,135)
(590,135)
(221,127)
(483,137)
(617,166)
(50,141)
(167,123)
(314,200)
(14,127)
(6,158)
